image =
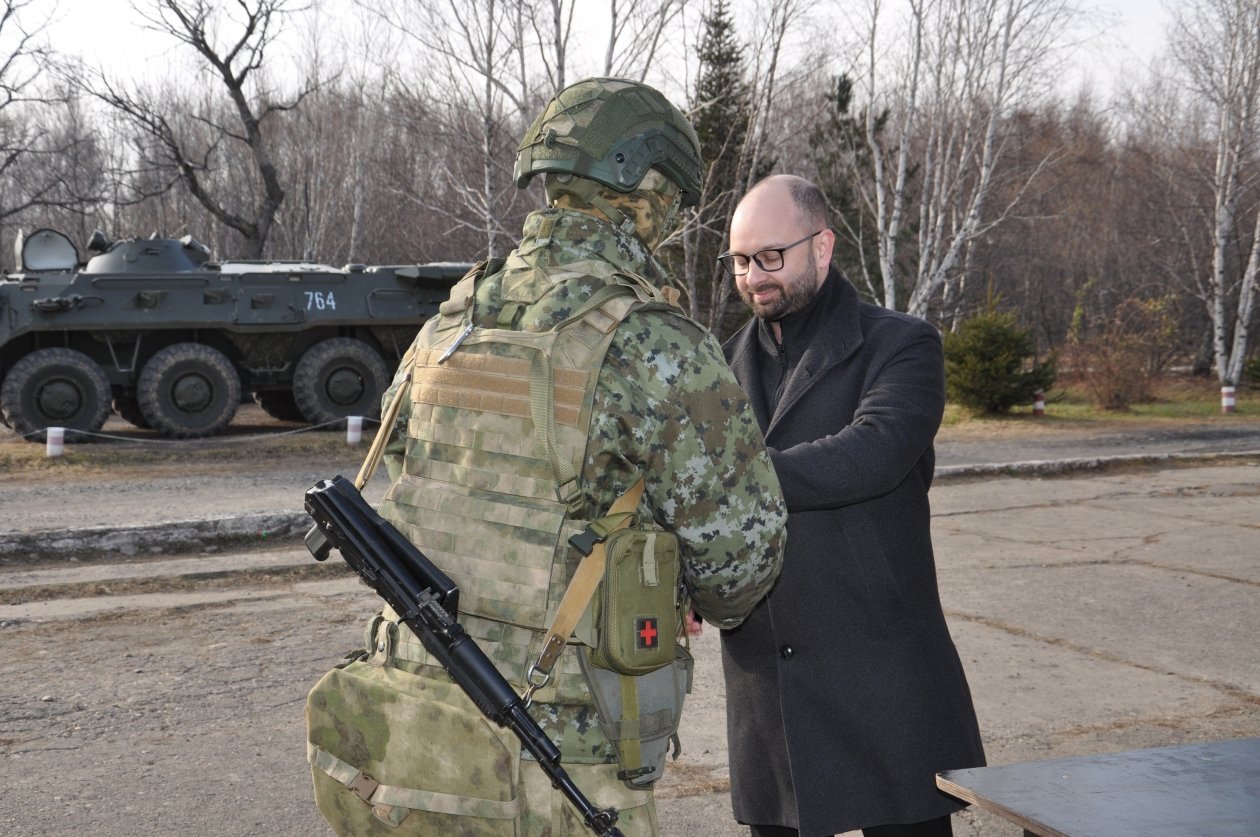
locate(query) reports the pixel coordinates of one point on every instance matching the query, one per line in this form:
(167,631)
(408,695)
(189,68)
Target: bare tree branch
(236,59)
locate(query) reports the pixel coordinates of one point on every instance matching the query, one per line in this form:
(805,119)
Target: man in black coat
(844,692)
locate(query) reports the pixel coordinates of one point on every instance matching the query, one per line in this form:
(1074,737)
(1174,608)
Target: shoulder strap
(582,586)
(377,450)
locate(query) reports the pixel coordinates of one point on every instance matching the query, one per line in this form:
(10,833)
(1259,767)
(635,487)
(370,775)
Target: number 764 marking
(320,301)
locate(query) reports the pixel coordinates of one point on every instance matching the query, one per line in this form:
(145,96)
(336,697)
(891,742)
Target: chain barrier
(211,440)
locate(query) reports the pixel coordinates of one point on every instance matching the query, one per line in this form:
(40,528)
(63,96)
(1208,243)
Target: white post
(1039,404)
(1227,399)
(56,441)
(354,430)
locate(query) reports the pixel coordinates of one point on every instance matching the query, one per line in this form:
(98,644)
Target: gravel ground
(175,708)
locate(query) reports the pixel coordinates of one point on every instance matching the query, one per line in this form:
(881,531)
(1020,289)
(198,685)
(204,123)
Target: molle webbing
(496,437)
(495,384)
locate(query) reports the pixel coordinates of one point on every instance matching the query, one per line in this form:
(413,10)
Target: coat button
(786,652)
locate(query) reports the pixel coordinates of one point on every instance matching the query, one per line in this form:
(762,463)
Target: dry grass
(253,438)
(1179,400)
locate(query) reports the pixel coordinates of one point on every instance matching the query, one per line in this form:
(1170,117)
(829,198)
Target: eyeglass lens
(768,260)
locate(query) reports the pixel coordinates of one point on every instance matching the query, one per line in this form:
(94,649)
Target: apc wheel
(339,377)
(188,390)
(128,409)
(55,388)
(279,405)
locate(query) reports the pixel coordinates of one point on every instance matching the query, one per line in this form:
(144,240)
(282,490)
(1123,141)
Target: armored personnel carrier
(171,339)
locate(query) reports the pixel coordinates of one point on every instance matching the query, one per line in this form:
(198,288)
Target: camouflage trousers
(401,753)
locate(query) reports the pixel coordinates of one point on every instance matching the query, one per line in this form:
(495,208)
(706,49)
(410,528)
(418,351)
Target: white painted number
(320,301)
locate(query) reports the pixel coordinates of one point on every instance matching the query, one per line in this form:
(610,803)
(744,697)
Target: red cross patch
(645,632)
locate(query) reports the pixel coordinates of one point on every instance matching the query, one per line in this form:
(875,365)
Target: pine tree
(721,112)
(721,105)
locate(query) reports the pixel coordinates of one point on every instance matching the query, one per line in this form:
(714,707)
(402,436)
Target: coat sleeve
(669,407)
(895,422)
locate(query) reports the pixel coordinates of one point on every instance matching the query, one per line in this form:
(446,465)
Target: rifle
(428,602)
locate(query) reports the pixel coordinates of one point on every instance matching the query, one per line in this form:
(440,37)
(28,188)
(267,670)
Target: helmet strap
(592,193)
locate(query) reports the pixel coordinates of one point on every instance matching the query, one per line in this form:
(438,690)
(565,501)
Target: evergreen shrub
(990,364)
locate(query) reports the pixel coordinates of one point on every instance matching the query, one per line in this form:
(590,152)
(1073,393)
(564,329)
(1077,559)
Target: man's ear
(824,244)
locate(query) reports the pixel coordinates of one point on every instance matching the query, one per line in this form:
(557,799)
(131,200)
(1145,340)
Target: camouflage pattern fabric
(422,731)
(614,132)
(667,408)
(652,208)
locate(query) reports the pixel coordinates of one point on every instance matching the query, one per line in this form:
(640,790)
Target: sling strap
(582,586)
(377,450)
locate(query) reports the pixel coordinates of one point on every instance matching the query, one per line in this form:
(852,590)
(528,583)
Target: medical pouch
(638,607)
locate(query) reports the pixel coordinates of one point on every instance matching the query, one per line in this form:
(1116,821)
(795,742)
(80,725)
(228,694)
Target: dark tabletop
(1198,789)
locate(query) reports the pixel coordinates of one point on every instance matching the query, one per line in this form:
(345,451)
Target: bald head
(806,198)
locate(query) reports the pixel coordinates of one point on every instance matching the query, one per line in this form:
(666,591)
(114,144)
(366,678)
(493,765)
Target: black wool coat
(844,692)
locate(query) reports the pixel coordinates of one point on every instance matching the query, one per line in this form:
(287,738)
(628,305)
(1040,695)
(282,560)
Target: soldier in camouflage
(619,160)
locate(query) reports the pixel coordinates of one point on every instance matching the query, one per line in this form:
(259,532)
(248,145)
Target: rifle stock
(427,601)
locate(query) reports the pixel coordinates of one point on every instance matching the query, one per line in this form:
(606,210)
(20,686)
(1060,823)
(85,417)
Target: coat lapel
(838,335)
(741,354)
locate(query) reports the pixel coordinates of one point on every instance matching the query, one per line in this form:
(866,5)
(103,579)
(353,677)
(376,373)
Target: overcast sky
(106,33)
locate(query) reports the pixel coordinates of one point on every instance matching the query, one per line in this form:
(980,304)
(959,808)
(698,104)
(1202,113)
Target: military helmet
(612,131)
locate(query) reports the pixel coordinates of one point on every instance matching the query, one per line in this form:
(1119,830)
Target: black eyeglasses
(769,260)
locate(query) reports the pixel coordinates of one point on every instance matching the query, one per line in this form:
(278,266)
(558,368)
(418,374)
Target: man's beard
(793,296)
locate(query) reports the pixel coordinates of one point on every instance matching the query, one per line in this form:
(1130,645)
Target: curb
(163,538)
(287,528)
(1062,467)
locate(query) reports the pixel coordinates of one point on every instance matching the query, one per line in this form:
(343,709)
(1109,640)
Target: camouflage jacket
(666,407)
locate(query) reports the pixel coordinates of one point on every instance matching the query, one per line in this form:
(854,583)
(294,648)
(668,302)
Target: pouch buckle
(599,531)
(633,773)
(584,541)
(363,786)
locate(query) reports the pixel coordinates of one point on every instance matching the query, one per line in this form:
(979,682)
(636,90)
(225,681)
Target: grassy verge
(252,440)
(220,452)
(1177,398)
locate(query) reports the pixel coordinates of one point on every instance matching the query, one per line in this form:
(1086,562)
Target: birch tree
(964,66)
(638,33)
(775,22)
(552,24)
(1216,44)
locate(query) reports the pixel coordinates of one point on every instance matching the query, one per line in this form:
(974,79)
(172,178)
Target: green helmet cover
(612,131)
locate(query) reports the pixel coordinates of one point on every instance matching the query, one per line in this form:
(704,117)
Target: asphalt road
(255,473)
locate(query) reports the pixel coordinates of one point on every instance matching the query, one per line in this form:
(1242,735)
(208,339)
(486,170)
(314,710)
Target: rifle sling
(587,577)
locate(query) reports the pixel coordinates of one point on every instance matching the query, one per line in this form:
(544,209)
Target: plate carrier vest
(490,490)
